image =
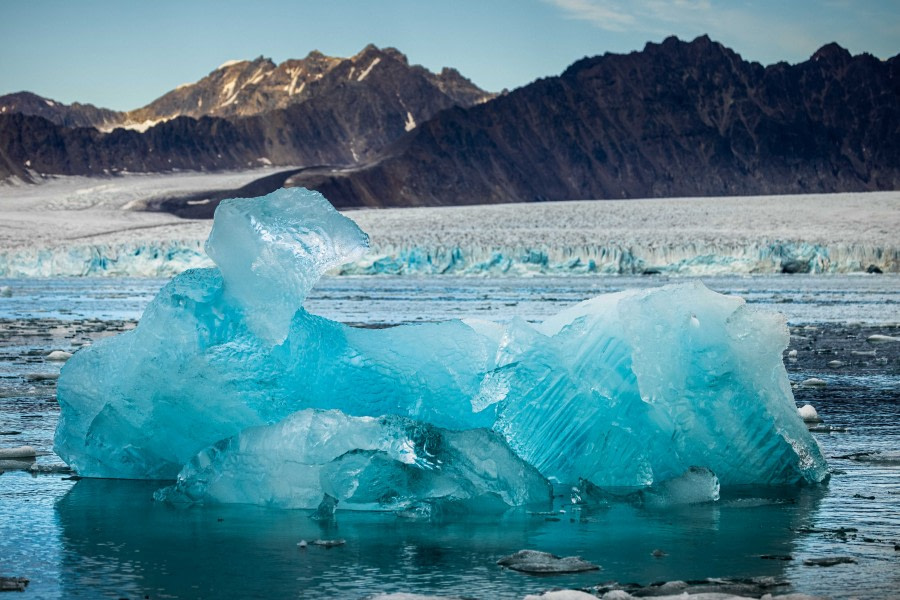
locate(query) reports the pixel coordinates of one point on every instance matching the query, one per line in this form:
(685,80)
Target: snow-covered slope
(81,226)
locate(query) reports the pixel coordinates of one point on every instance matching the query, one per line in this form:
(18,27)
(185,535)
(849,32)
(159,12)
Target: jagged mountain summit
(245,88)
(313,111)
(676,119)
(67,115)
(242,88)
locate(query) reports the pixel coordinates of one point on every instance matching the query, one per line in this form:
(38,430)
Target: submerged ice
(229,381)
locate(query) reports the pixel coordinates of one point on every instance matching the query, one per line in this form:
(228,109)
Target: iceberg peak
(272,250)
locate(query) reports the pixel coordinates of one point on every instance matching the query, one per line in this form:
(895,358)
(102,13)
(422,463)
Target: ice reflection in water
(130,544)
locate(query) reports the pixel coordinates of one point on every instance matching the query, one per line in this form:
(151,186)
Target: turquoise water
(106,538)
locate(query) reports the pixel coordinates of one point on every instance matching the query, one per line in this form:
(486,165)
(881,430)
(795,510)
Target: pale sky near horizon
(123,54)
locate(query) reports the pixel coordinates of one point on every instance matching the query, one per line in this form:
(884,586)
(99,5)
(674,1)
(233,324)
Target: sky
(123,54)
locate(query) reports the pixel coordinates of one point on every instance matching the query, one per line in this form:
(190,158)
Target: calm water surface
(106,538)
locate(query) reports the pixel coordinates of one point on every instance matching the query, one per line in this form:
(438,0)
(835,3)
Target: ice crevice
(228,386)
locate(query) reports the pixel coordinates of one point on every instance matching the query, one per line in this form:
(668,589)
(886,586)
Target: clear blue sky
(122,54)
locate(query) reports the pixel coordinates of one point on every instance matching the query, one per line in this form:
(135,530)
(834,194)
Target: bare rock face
(311,111)
(676,119)
(66,115)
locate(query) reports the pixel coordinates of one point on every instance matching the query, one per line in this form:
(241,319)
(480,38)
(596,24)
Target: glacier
(227,381)
(171,257)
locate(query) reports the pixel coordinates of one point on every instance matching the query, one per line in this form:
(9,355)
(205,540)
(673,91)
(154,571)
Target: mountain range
(675,119)
(316,110)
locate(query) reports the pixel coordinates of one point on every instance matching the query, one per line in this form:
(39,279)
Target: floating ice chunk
(18,452)
(272,250)
(813,382)
(809,414)
(59,356)
(361,463)
(535,561)
(627,389)
(562,595)
(882,339)
(696,486)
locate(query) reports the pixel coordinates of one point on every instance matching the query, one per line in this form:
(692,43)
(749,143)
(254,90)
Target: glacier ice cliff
(226,378)
(165,259)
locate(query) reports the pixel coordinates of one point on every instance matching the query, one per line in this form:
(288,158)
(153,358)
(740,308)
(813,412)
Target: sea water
(108,538)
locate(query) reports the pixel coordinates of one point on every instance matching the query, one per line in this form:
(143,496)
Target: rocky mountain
(245,88)
(317,110)
(241,88)
(676,119)
(66,115)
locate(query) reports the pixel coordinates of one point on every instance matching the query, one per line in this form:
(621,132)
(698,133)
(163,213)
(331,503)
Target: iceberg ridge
(226,379)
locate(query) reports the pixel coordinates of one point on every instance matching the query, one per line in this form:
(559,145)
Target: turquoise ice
(364,463)
(627,389)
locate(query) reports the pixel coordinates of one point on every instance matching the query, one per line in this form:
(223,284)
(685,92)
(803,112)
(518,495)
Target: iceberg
(227,378)
(361,463)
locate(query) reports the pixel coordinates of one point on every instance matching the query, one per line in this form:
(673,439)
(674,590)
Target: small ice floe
(697,485)
(658,553)
(823,428)
(329,543)
(882,339)
(869,353)
(890,458)
(5,291)
(59,356)
(718,588)
(835,364)
(408,596)
(49,469)
(757,502)
(562,595)
(19,452)
(535,561)
(13,584)
(42,376)
(809,414)
(829,561)
(813,382)
(302,544)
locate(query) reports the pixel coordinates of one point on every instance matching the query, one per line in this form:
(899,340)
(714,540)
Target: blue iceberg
(226,373)
(362,463)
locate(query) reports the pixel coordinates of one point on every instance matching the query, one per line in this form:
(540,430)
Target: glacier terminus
(230,388)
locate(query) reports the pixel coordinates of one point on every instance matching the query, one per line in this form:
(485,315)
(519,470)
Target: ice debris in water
(809,414)
(363,463)
(535,561)
(223,372)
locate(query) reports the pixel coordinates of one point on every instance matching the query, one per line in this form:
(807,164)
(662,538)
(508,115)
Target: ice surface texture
(385,463)
(627,389)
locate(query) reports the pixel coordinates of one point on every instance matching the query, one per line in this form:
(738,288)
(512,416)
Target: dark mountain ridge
(676,119)
(344,112)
